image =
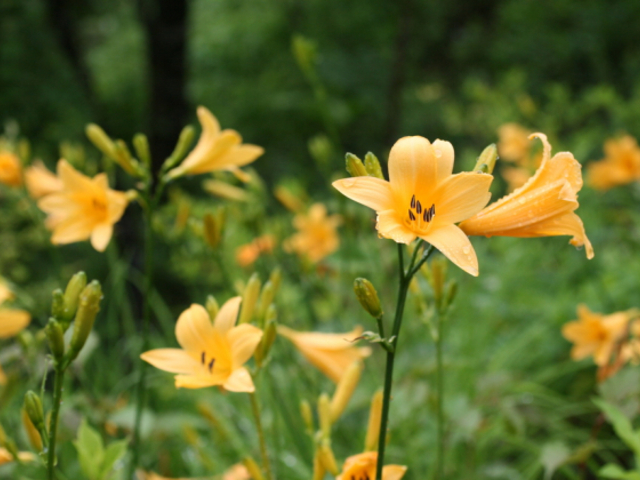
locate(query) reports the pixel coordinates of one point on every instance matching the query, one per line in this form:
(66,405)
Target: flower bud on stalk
(275,278)
(307,416)
(368,297)
(345,389)
(319,469)
(55,337)
(33,408)
(57,305)
(35,439)
(324,414)
(327,458)
(212,307)
(86,315)
(452,290)
(373,428)
(269,336)
(211,230)
(71,297)
(101,140)
(126,161)
(141,144)
(184,142)
(487,160)
(355,167)
(372,166)
(266,299)
(249,298)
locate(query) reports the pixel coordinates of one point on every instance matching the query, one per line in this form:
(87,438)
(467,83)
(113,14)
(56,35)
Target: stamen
(413,202)
(419,208)
(213,360)
(412,216)
(202,358)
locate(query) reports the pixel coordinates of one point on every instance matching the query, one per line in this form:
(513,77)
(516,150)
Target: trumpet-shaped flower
(10,169)
(212,353)
(423,199)
(216,150)
(247,254)
(363,467)
(317,234)
(542,207)
(513,143)
(85,208)
(620,166)
(595,334)
(331,353)
(41,181)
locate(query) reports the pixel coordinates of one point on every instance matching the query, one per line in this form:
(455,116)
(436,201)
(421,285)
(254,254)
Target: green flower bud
(264,347)
(101,140)
(249,298)
(266,299)
(212,307)
(368,297)
(71,297)
(33,407)
(372,165)
(487,159)
(126,161)
(307,416)
(324,415)
(355,167)
(57,304)
(55,337)
(452,290)
(86,315)
(141,144)
(182,147)
(275,278)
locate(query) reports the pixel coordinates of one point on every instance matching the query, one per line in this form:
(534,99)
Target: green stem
(440,396)
(53,426)
(255,407)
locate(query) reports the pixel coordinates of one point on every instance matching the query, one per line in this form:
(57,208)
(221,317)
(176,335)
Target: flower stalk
(255,408)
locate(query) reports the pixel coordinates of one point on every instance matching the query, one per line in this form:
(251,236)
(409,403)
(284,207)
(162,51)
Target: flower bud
(452,290)
(141,144)
(86,315)
(319,469)
(57,304)
(355,167)
(372,166)
(225,190)
(71,297)
(101,140)
(437,278)
(324,415)
(368,297)
(253,468)
(264,347)
(373,428)
(321,150)
(212,307)
(275,278)
(327,458)
(55,337)
(305,52)
(32,432)
(182,147)
(249,298)
(33,407)
(307,416)
(266,299)
(344,391)
(487,160)
(211,230)
(126,161)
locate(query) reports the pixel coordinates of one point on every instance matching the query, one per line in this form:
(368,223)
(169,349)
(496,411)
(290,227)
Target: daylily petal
(209,160)
(240,381)
(369,191)
(210,124)
(71,178)
(72,229)
(393,472)
(228,315)
(461,196)
(194,330)
(389,226)
(13,321)
(172,360)
(412,166)
(243,340)
(455,245)
(101,235)
(198,381)
(241,155)
(444,154)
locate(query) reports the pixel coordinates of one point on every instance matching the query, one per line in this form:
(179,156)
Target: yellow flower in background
(237,472)
(247,254)
(331,353)
(85,208)
(423,199)
(595,334)
(6,456)
(513,143)
(5,292)
(620,166)
(515,177)
(13,321)
(41,181)
(363,467)
(216,149)
(10,169)
(317,234)
(543,207)
(212,353)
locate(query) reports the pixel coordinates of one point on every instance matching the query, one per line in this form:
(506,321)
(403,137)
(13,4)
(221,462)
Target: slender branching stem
(255,408)
(53,426)
(439,402)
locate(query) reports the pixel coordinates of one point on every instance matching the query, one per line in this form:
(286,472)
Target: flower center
(203,359)
(419,216)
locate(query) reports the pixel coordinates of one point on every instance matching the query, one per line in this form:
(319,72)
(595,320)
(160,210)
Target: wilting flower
(247,254)
(513,143)
(363,466)
(595,334)
(423,199)
(620,166)
(317,234)
(41,181)
(216,150)
(85,208)
(211,354)
(542,207)
(331,353)
(10,169)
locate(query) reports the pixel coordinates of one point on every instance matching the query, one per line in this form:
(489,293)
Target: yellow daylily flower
(247,254)
(41,181)
(331,353)
(513,143)
(211,354)
(515,177)
(542,207)
(363,467)
(10,169)
(620,166)
(216,150)
(595,334)
(237,472)
(13,321)
(423,199)
(85,208)
(5,291)
(317,234)
(6,456)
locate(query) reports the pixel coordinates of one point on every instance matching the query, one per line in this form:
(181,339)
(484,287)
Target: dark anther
(412,216)
(203,357)
(419,207)
(213,360)
(413,202)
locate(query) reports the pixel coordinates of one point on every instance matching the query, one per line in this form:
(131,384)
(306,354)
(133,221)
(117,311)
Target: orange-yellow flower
(237,472)
(423,199)
(513,143)
(41,181)
(10,169)
(331,353)
(85,208)
(317,234)
(620,166)
(515,177)
(542,207)
(212,353)
(216,150)
(363,467)
(12,321)
(6,456)
(595,334)
(247,254)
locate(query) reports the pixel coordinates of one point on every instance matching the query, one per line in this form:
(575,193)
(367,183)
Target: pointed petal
(116,203)
(393,472)
(228,315)
(208,121)
(240,381)
(172,360)
(194,330)
(461,196)
(241,155)
(101,236)
(198,381)
(454,245)
(13,321)
(243,340)
(412,163)
(71,178)
(389,226)
(208,157)
(73,229)
(444,154)
(371,192)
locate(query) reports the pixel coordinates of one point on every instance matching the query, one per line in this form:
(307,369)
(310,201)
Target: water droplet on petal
(348,182)
(466,250)
(438,152)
